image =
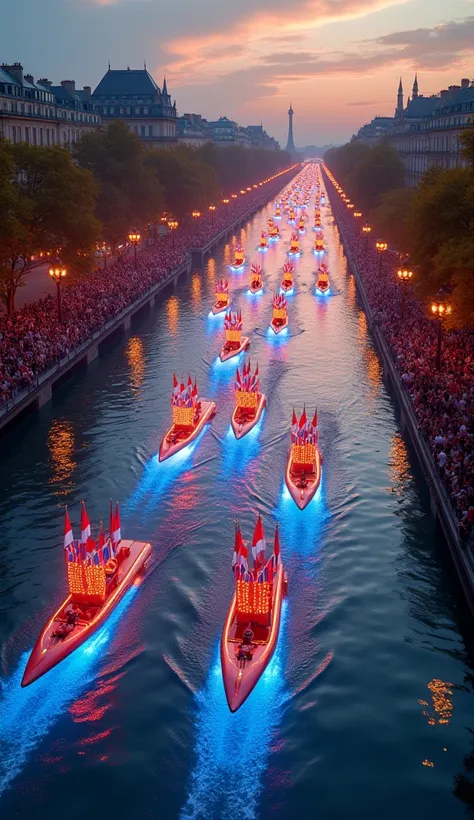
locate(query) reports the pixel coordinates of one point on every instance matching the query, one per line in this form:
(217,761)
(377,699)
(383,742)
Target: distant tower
(399,108)
(415,88)
(290,145)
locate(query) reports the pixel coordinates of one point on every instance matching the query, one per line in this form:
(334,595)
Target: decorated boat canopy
(222,287)
(304,430)
(233,321)
(279,302)
(184,395)
(256,270)
(86,550)
(288,269)
(259,570)
(245,381)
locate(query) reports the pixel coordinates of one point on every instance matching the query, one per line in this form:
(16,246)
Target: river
(367,708)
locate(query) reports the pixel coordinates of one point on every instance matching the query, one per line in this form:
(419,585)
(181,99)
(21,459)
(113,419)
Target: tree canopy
(366,173)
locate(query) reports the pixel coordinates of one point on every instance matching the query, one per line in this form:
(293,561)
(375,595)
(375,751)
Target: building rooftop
(128,82)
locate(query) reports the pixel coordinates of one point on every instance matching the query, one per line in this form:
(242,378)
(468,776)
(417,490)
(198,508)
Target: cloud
(362,104)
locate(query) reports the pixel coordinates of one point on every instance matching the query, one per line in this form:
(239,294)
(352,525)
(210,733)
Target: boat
(263,244)
(99,574)
(301,224)
(235,343)
(303,468)
(294,244)
(291,215)
(239,257)
(249,401)
(222,297)
(274,232)
(280,313)
(278,212)
(287,283)
(322,281)
(252,626)
(256,281)
(189,415)
(319,242)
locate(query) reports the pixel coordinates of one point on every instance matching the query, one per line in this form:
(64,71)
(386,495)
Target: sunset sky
(339,61)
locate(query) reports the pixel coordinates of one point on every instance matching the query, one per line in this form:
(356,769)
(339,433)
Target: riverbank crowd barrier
(39,392)
(461,553)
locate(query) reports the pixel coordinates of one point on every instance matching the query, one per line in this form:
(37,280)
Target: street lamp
(366,229)
(380,247)
(404,276)
(57,272)
(134,238)
(357,216)
(212,208)
(196,214)
(173,224)
(440,310)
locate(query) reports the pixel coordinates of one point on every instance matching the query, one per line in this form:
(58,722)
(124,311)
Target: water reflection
(442,705)
(398,464)
(196,291)
(172,313)
(135,353)
(61,444)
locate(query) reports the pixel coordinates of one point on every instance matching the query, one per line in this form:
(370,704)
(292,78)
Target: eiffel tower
(290,145)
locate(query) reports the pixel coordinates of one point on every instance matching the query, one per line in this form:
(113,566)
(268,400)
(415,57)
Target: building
(260,139)
(373,131)
(426,130)
(131,95)
(193,130)
(42,114)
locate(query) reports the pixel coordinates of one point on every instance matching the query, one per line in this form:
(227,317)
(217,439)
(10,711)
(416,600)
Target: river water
(367,708)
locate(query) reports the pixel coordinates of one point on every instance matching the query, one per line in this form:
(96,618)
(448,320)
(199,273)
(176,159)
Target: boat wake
(232,749)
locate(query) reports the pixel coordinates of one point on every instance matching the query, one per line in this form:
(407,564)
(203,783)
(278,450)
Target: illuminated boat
(291,215)
(189,415)
(263,244)
(239,257)
(222,297)
(303,469)
(301,225)
(99,574)
(274,232)
(249,401)
(252,626)
(277,212)
(235,343)
(280,313)
(322,281)
(294,244)
(256,281)
(319,242)
(287,282)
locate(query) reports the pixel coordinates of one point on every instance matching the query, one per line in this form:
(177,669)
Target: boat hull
(256,290)
(238,266)
(220,308)
(239,682)
(278,328)
(48,651)
(241,430)
(208,411)
(287,286)
(322,288)
(224,356)
(302,496)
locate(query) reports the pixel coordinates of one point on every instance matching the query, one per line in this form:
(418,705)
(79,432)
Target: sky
(338,61)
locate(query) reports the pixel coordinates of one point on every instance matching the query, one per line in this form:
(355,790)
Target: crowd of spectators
(32,339)
(443,400)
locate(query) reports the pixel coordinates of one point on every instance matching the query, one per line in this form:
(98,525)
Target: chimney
(16,70)
(45,82)
(87,92)
(29,78)
(464,83)
(69,85)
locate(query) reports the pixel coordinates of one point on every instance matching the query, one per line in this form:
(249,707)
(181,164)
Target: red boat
(239,257)
(99,575)
(303,469)
(280,313)
(263,244)
(252,626)
(250,402)
(222,297)
(322,282)
(190,414)
(256,281)
(235,343)
(287,283)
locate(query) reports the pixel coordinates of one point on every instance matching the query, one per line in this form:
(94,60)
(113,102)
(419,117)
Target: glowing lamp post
(134,238)
(440,310)
(404,275)
(357,217)
(212,209)
(173,224)
(58,273)
(380,247)
(366,229)
(196,214)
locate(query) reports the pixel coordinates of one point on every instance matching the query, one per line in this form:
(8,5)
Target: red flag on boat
(68,536)
(258,543)
(303,419)
(101,541)
(117,535)
(85,525)
(315,418)
(90,544)
(276,546)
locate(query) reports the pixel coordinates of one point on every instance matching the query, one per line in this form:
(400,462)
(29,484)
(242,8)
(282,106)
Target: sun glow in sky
(339,61)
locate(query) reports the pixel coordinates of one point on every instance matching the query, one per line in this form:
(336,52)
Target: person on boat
(247,646)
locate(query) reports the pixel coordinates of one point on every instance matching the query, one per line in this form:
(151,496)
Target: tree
(188,182)
(365,173)
(130,193)
(390,217)
(48,205)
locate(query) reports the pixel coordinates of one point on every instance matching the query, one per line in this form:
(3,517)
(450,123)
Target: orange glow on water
(172,313)
(61,444)
(135,354)
(196,291)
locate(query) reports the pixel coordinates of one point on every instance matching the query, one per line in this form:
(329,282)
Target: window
(34,136)
(150,130)
(41,137)
(142,130)
(27,135)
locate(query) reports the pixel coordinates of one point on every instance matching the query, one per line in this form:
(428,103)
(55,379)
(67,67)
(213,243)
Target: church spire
(415,88)
(399,108)
(165,90)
